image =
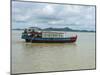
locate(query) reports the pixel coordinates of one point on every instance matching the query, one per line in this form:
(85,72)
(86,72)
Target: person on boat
(25,31)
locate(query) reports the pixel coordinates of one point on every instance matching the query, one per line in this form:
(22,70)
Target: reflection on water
(32,45)
(40,57)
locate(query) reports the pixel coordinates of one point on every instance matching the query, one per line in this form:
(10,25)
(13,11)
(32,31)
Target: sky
(44,15)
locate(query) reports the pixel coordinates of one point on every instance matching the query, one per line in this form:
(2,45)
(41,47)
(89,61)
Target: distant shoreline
(58,29)
(49,30)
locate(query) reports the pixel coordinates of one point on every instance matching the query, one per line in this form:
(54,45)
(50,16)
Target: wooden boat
(38,37)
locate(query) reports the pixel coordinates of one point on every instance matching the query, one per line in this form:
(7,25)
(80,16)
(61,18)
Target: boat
(35,35)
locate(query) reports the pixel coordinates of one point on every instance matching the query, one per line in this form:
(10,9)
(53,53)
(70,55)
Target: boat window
(33,30)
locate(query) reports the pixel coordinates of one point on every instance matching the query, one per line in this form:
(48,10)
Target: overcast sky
(43,15)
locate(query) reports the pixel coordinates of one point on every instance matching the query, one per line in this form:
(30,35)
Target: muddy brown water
(43,57)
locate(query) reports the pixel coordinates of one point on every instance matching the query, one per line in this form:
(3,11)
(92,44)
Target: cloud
(53,15)
(48,10)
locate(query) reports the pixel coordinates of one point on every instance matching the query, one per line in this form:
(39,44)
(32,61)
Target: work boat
(37,35)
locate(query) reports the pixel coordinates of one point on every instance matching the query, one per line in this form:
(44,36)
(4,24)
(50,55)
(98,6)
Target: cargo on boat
(37,35)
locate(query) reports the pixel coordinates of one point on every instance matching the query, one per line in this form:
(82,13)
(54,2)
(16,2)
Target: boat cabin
(33,32)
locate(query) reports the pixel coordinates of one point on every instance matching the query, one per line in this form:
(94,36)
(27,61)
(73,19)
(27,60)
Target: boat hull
(50,40)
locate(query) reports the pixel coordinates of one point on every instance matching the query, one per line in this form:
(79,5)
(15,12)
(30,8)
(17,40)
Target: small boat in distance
(36,35)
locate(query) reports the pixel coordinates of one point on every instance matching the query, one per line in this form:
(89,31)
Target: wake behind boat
(36,35)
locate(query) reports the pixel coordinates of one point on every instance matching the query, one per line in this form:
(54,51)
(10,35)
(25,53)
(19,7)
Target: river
(43,57)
